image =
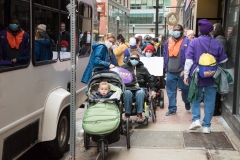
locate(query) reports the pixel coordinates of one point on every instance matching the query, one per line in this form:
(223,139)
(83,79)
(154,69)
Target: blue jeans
(138,95)
(173,80)
(209,104)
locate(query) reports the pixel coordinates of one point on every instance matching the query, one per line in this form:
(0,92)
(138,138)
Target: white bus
(34,93)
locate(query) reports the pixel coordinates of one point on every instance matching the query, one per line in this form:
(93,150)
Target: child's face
(103,89)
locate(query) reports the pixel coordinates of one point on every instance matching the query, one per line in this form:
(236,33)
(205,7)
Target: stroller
(102,121)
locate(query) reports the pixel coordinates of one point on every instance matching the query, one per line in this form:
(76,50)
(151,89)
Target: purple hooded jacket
(183,48)
(194,51)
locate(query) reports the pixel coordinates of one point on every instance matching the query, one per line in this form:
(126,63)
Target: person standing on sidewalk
(174,60)
(196,48)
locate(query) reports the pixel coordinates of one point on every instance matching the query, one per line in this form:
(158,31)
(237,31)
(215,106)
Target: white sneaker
(206,130)
(195,125)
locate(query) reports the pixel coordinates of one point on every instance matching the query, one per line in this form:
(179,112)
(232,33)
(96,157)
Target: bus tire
(59,145)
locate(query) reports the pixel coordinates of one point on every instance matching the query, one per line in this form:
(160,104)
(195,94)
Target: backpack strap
(202,46)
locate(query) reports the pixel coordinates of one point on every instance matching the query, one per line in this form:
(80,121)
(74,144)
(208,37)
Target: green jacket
(221,78)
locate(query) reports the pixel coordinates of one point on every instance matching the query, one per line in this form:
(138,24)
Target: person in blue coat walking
(101,56)
(174,60)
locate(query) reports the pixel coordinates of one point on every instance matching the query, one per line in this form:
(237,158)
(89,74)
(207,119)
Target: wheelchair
(149,108)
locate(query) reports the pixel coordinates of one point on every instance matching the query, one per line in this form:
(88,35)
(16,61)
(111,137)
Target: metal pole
(117,27)
(165,26)
(73,81)
(133,31)
(156,22)
(98,25)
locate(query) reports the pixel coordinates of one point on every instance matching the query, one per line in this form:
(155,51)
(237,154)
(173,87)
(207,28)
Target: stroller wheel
(161,101)
(153,110)
(102,150)
(86,140)
(161,104)
(161,95)
(127,133)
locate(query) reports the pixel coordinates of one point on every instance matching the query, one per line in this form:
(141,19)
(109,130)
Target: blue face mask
(176,33)
(148,55)
(13,27)
(134,62)
(63,49)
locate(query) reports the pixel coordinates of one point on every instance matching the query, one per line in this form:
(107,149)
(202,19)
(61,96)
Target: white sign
(154,65)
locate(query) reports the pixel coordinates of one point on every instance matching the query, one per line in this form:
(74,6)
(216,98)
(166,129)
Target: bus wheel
(59,145)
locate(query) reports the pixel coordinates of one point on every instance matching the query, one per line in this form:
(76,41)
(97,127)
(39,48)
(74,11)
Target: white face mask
(160,39)
(113,46)
(108,44)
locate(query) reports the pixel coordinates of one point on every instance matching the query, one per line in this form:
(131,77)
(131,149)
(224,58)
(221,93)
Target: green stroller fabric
(101,118)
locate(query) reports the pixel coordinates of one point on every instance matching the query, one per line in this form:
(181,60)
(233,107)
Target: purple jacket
(194,51)
(23,48)
(183,48)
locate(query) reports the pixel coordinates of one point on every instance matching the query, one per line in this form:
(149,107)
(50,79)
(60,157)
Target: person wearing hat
(64,46)
(134,45)
(174,60)
(196,48)
(43,48)
(149,51)
(14,45)
(190,34)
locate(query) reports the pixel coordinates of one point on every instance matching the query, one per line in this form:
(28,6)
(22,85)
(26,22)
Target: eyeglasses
(134,58)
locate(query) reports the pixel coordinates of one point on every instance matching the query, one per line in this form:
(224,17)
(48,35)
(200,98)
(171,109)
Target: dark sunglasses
(132,58)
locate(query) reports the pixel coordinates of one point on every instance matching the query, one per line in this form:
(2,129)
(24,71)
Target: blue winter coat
(23,48)
(98,58)
(43,50)
(183,48)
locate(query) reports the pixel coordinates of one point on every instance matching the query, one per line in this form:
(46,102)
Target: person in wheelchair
(136,89)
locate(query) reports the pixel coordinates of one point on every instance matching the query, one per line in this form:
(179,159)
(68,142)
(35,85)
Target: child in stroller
(102,121)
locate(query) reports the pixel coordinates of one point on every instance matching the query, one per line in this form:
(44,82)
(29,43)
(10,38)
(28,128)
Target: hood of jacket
(45,42)
(221,38)
(96,44)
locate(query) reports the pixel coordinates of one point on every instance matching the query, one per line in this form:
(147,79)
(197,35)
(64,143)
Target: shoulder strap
(202,46)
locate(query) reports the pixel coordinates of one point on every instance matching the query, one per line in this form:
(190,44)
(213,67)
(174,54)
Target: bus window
(49,3)
(46,35)
(65,45)
(85,38)
(14,22)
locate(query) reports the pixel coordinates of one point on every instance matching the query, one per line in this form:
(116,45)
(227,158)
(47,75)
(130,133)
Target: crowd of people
(182,53)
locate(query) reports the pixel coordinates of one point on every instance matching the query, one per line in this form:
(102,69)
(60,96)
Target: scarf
(174,47)
(15,41)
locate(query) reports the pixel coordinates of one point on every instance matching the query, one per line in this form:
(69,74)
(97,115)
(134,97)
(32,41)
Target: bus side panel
(55,103)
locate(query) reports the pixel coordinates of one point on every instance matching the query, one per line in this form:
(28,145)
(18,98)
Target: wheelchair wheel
(153,110)
(161,99)
(86,140)
(128,133)
(102,150)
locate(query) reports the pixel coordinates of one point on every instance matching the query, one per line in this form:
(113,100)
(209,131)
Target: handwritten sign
(154,65)
(125,74)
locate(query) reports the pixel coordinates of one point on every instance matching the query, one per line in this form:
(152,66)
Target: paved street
(168,139)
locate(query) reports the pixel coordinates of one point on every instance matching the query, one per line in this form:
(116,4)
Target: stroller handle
(93,70)
(102,100)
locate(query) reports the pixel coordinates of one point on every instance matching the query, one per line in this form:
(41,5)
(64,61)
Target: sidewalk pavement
(167,136)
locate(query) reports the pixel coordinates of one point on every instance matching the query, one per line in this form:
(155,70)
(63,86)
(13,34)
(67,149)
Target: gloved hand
(153,94)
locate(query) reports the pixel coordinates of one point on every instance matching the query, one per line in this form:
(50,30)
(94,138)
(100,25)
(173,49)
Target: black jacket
(142,74)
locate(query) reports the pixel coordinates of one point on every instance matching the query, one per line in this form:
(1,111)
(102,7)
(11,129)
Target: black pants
(218,105)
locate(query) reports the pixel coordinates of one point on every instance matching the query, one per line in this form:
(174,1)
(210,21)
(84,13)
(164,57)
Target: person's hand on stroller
(111,66)
(153,94)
